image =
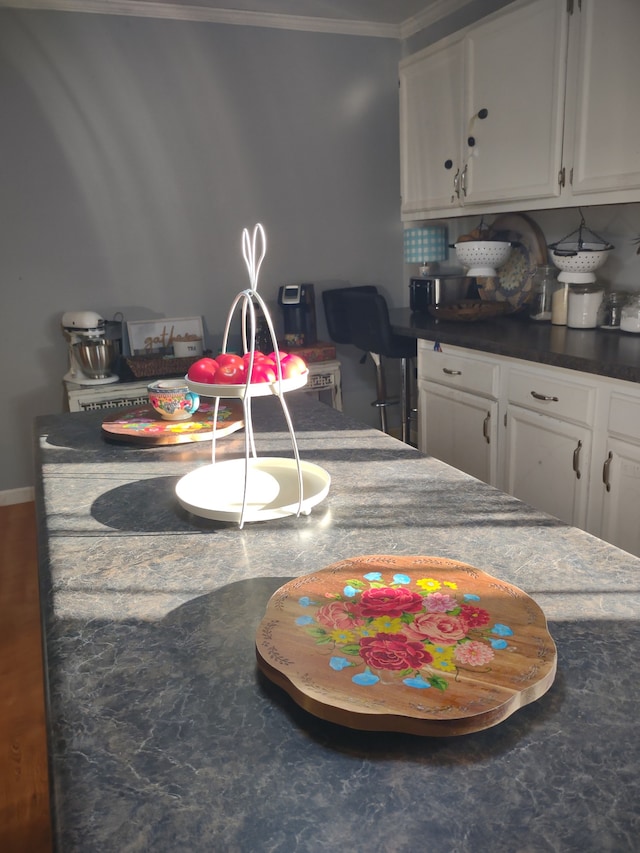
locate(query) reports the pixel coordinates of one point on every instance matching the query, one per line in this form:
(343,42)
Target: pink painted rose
(393,651)
(474,653)
(339,614)
(389,602)
(437,627)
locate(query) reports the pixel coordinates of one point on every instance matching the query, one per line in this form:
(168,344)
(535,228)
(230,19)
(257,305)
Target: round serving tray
(216,491)
(415,644)
(256,389)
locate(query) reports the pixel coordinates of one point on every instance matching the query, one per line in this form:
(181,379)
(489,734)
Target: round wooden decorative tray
(470,310)
(143,425)
(423,645)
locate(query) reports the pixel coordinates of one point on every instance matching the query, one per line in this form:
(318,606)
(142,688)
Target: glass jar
(560,304)
(630,316)
(544,282)
(611,310)
(584,302)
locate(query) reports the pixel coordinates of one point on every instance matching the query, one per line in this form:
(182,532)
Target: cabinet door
(515,70)
(430,129)
(459,428)
(603,92)
(547,464)
(621,509)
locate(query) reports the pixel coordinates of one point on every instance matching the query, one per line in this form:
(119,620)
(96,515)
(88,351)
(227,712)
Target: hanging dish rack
(575,242)
(254,488)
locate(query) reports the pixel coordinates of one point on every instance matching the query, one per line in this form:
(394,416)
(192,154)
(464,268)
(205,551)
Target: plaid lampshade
(424,245)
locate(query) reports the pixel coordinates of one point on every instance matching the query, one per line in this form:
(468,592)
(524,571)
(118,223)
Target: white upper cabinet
(431,128)
(514,75)
(603,102)
(537,104)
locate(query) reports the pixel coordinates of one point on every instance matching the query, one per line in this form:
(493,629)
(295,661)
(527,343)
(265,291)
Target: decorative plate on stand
(423,645)
(529,251)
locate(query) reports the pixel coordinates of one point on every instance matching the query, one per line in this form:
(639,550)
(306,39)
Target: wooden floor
(24,794)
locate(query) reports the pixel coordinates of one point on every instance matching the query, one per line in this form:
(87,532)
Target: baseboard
(16,496)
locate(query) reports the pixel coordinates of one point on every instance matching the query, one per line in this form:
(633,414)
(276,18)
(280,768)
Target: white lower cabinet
(460,429)
(458,410)
(547,464)
(565,442)
(620,482)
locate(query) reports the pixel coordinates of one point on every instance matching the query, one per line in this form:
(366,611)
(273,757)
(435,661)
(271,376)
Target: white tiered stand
(254,488)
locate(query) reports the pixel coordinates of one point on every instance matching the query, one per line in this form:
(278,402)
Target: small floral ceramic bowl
(172,399)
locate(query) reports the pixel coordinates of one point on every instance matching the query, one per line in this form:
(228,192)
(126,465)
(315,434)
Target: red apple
(203,370)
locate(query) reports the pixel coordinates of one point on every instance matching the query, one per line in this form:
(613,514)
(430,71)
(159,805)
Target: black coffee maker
(298,303)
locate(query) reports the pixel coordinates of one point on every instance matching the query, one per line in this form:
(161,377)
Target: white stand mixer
(90,353)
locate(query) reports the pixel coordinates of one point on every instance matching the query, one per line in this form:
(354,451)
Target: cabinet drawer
(552,395)
(459,371)
(624,416)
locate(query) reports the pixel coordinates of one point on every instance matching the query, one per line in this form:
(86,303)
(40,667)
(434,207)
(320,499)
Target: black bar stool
(360,316)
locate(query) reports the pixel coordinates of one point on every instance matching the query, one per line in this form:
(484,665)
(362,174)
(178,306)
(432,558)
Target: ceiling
(385,18)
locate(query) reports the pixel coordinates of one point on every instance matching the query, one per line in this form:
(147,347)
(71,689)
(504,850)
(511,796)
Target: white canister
(584,301)
(185,349)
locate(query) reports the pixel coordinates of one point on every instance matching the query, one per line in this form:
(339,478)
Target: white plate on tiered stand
(216,491)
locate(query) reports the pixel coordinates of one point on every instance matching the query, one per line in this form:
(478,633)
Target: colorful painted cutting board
(143,425)
(423,645)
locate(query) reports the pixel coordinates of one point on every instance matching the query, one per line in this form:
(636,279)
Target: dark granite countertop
(604,352)
(164,736)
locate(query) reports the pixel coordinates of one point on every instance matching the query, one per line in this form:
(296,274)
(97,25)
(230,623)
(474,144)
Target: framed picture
(157,337)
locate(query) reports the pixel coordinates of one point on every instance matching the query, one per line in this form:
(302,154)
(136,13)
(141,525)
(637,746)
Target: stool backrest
(371,328)
(337,314)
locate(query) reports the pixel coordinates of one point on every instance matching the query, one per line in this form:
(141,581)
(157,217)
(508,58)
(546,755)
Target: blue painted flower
(498,644)
(338,663)
(418,681)
(501,630)
(305,601)
(373,576)
(350,591)
(469,596)
(401,579)
(366,678)
(305,620)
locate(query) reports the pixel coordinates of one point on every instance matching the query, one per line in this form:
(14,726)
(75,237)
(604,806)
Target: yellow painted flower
(342,636)
(443,658)
(386,625)
(450,584)
(429,584)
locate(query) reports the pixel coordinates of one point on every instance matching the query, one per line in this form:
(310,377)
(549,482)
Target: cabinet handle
(485,428)
(576,460)
(456,185)
(451,372)
(463,180)
(605,471)
(546,397)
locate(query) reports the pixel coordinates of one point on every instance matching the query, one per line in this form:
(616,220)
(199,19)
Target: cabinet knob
(483,113)
(448,164)
(471,141)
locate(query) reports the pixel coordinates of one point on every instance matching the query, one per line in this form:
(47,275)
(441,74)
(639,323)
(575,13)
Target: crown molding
(179,12)
(435,12)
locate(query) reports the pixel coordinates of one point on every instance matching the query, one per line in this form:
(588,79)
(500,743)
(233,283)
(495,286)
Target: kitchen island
(165,737)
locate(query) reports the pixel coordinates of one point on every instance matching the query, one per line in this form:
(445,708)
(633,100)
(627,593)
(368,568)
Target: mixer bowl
(95,357)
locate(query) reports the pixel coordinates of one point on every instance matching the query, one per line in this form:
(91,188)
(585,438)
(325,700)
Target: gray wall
(133,153)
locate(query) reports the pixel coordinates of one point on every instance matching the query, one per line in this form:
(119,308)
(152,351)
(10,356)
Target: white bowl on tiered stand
(482,257)
(253,488)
